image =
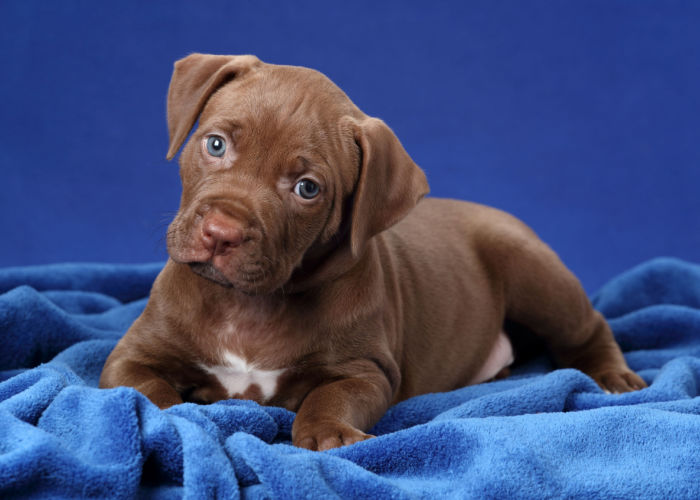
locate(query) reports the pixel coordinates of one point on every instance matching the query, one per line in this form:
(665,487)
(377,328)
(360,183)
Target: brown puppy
(305,273)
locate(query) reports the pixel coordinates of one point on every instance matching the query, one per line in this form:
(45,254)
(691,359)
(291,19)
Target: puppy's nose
(220,233)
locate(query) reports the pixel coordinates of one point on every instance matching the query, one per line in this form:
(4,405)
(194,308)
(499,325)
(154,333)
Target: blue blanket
(540,433)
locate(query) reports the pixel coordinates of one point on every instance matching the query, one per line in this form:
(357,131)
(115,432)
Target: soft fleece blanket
(541,433)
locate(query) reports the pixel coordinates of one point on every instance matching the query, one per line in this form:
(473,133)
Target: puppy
(306,272)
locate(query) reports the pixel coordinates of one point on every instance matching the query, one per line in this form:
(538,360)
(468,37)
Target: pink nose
(220,233)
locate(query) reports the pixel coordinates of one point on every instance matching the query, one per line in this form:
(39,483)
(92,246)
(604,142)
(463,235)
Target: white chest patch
(236,375)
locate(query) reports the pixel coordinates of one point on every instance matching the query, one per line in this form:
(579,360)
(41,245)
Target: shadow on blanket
(540,433)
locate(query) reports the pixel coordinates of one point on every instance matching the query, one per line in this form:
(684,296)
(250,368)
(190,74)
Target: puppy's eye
(216,145)
(306,188)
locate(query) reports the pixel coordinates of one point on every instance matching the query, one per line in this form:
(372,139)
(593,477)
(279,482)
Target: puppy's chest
(242,362)
(243,379)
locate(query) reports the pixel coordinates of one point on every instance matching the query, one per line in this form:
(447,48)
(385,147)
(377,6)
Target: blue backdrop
(581,118)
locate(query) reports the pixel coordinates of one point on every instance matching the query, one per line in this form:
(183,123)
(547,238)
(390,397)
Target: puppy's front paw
(327,435)
(619,381)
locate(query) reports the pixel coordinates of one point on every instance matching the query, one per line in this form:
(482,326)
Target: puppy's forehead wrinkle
(281,95)
(307,82)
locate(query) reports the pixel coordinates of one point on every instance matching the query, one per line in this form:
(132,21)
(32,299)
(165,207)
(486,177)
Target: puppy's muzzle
(220,234)
(217,239)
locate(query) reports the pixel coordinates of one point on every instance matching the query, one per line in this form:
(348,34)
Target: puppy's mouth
(252,282)
(208,271)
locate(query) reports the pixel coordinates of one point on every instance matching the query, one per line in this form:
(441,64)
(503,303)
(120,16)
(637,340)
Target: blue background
(581,118)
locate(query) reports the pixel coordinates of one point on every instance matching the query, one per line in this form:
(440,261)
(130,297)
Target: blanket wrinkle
(541,433)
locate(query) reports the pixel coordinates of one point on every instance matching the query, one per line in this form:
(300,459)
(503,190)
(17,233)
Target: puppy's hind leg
(544,296)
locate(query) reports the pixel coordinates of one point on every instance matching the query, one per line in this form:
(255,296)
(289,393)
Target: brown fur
(364,295)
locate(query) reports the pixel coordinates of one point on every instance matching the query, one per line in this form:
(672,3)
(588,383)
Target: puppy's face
(260,176)
(270,174)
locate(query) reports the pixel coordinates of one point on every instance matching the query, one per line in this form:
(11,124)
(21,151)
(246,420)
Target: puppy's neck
(326,264)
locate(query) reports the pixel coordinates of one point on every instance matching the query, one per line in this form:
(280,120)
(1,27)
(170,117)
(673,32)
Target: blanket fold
(542,432)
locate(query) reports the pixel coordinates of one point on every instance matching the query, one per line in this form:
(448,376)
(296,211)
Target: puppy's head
(282,171)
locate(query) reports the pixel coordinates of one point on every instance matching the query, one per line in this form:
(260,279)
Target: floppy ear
(195,78)
(389,186)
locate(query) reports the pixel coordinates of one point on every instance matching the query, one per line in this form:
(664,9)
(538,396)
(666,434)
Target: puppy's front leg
(124,372)
(336,413)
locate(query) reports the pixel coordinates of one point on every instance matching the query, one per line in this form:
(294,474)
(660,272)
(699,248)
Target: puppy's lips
(208,271)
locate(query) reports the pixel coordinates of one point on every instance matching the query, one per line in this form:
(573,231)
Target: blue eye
(216,145)
(307,189)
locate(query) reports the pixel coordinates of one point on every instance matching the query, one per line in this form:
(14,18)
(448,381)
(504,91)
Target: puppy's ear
(195,78)
(390,184)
